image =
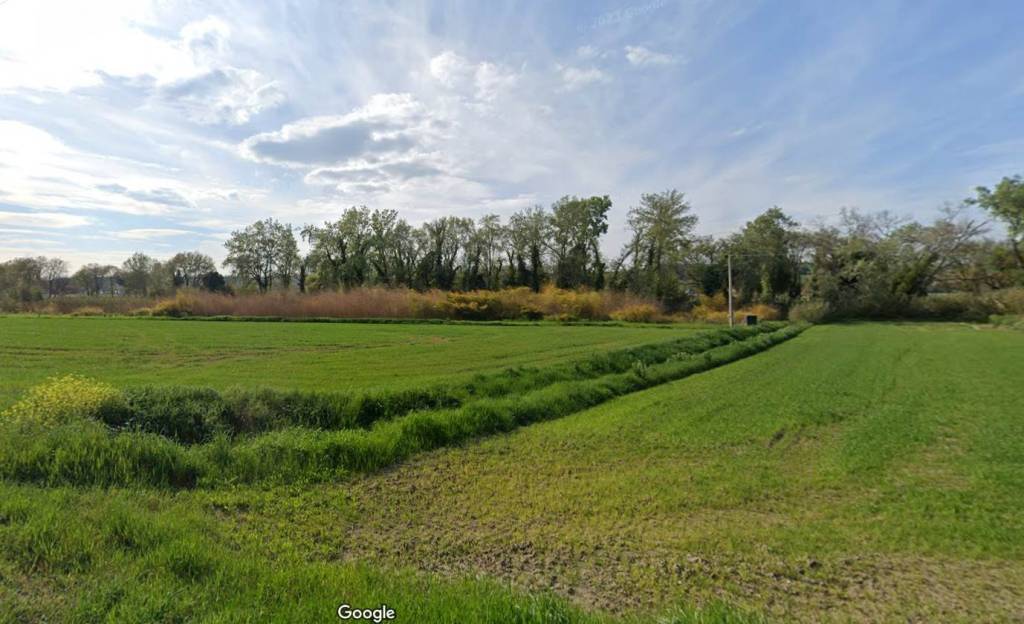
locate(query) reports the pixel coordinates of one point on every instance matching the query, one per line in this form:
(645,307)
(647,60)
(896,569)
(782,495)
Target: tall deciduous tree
(263,252)
(21,279)
(54,270)
(93,277)
(766,258)
(441,242)
(575,229)
(137,273)
(527,233)
(662,234)
(1006,203)
(340,249)
(187,268)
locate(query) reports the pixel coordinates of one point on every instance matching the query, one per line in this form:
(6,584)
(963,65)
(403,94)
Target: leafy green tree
(662,235)
(923,253)
(979,266)
(263,252)
(706,265)
(137,273)
(53,272)
(392,250)
(340,249)
(187,268)
(21,279)
(214,282)
(574,233)
(875,265)
(441,241)
(483,255)
(766,258)
(93,277)
(527,232)
(1006,203)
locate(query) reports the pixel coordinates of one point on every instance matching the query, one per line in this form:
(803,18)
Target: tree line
(37,278)
(775,260)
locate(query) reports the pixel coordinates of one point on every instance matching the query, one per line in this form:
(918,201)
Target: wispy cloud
(149,233)
(574,78)
(43,219)
(170,122)
(639,56)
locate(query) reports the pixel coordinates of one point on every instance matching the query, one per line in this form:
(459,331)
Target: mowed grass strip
(86,452)
(857,473)
(288,356)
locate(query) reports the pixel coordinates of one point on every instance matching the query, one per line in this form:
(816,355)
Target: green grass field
(303,356)
(863,472)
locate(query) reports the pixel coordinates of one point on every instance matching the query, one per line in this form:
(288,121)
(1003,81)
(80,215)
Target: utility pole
(729,262)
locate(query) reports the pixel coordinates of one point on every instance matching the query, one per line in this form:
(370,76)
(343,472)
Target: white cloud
(389,124)
(224,95)
(491,80)
(450,69)
(71,44)
(57,220)
(576,78)
(483,81)
(207,38)
(149,233)
(130,107)
(639,56)
(39,171)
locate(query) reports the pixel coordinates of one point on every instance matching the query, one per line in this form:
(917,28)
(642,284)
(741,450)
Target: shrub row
(958,306)
(193,415)
(88,453)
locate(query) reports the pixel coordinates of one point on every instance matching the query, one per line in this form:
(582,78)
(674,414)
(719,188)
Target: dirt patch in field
(410,517)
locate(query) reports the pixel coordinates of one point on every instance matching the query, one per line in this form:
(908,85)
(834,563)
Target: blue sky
(162,126)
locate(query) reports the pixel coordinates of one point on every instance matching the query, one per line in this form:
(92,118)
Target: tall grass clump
(715,309)
(638,313)
(89,453)
(1008,321)
(810,312)
(56,435)
(399,303)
